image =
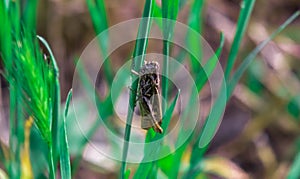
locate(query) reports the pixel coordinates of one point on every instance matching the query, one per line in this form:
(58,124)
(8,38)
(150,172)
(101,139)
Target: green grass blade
(55,111)
(14,16)
(65,166)
(294,172)
(138,60)
(5,39)
(213,120)
(209,67)
(99,19)
(193,42)
(245,13)
(145,168)
(29,14)
(170,10)
(246,62)
(201,79)
(165,82)
(157,14)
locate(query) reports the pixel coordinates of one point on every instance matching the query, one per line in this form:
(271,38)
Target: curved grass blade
(246,62)
(245,13)
(210,125)
(55,111)
(65,166)
(138,60)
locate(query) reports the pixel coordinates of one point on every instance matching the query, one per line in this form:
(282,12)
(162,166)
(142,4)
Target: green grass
(138,61)
(34,88)
(33,83)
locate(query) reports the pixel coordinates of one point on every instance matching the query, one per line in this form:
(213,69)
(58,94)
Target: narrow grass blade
(246,62)
(203,75)
(55,111)
(14,16)
(245,13)
(65,165)
(150,153)
(99,18)
(127,174)
(29,14)
(212,121)
(201,79)
(193,42)
(5,39)
(157,14)
(294,172)
(170,10)
(138,60)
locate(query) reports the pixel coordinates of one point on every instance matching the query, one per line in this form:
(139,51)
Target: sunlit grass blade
(245,13)
(144,168)
(138,60)
(65,165)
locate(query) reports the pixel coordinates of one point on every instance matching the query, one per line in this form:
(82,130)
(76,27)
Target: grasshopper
(148,96)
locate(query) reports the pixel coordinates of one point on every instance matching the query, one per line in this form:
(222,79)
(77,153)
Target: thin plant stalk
(138,60)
